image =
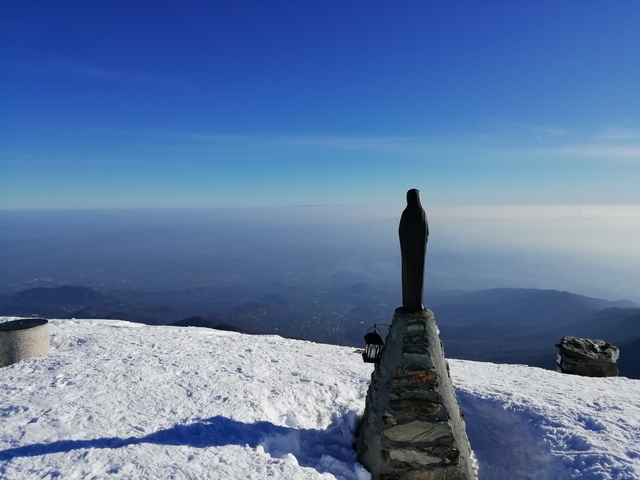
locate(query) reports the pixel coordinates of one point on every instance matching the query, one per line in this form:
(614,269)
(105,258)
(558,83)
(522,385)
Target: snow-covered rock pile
(121,400)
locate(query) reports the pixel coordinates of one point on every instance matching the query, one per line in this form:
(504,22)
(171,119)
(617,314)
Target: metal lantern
(373,345)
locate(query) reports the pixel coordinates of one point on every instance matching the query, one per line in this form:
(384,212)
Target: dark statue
(413,233)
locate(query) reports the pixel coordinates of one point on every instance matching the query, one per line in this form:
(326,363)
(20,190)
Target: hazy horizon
(583,249)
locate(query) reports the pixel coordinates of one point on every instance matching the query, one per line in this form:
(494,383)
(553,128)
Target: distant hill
(615,324)
(69,301)
(519,306)
(208,322)
(501,325)
(495,295)
(63,295)
(629,362)
(359,289)
(99,312)
(522,325)
(276,298)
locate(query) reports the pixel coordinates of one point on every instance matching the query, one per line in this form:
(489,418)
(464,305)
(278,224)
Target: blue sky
(217,104)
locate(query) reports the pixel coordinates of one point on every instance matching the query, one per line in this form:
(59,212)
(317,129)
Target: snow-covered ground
(530,423)
(121,400)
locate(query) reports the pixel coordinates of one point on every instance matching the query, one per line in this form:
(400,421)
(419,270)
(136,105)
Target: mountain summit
(124,400)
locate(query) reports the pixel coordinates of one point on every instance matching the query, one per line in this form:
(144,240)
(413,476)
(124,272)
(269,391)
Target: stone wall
(412,427)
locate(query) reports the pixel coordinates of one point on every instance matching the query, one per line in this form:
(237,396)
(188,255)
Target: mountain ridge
(503,325)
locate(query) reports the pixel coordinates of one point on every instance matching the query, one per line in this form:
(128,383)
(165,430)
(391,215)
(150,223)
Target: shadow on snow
(327,450)
(507,443)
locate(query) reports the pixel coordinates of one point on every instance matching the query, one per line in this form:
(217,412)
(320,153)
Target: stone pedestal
(412,427)
(24,338)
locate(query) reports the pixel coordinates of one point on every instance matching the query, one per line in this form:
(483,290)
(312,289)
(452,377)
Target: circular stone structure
(28,337)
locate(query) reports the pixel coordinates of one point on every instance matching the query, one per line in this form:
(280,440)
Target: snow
(122,400)
(530,423)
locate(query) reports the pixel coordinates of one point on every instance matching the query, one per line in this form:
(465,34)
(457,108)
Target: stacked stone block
(412,427)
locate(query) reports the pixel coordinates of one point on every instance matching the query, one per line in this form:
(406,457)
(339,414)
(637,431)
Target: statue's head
(413,197)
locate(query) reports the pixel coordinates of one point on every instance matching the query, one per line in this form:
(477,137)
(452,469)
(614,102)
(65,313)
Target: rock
(389,419)
(418,432)
(417,361)
(415,377)
(586,357)
(413,407)
(389,476)
(440,474)
(413,456)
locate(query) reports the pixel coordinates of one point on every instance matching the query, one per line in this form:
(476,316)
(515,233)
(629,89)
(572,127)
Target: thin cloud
(475,146)
(23,156)
(394,144)
(508,128)
(30,157)
(626,153)
(506,212)
(73,68)
(619,134)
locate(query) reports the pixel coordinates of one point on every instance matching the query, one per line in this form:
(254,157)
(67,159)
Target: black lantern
(373,346)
